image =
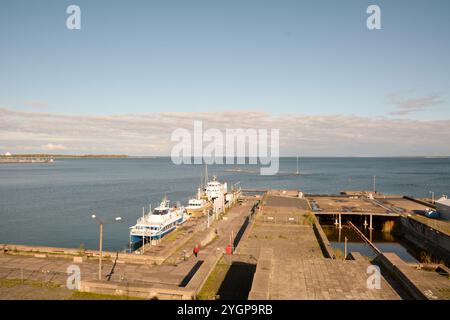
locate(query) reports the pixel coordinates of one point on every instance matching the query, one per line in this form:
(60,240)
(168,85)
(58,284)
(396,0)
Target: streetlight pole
(101,252)
(100,245)
(432,197)
(143,231)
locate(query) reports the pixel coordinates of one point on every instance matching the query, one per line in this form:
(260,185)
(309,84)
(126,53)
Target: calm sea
(52,204)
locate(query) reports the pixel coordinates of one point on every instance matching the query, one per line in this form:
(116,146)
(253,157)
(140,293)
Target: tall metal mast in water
(297,173)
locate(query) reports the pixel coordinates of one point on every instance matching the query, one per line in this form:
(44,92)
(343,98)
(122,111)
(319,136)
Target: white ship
(155,225)
(215,189)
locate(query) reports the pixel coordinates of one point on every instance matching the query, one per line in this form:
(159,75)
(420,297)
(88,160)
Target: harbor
(227,158)
(261,244)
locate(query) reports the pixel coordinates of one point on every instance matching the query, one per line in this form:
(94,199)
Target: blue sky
(308,57)
(278,57)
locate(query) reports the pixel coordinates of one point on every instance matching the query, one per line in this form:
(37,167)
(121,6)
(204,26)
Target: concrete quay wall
(392,263)
(261,280)
(324,243)
(74,252)
(136,290)
(426,237)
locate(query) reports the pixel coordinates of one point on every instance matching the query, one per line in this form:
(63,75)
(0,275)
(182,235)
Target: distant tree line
(45,155)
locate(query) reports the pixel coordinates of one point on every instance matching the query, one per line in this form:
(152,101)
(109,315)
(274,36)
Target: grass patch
(309,219)
(445,292)
(78,295)
(214,281)
(10,283)
(173,235)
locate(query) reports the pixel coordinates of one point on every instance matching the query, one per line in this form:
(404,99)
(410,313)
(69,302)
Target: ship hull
(198,212)
(138,238)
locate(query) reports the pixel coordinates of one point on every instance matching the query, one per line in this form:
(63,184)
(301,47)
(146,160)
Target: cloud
(36,103)
(405,105)
(51,147)
(149,134)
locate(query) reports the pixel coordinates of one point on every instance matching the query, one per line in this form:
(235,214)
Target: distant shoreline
(63,156)
(122,156)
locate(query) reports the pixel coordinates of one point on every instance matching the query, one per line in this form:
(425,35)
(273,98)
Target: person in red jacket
(229,249)
(196,250)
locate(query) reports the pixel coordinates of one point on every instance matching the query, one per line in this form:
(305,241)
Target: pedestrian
(229,249)
(196,250)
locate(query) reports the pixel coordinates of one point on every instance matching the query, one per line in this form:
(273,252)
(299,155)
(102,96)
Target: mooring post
(345,248)
(370,225)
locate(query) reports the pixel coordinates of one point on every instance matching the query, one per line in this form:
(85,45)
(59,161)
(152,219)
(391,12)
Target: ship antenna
(206,175)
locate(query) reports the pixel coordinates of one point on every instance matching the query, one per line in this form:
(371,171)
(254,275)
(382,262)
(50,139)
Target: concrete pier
(280,251)
(160,273)
(298,269)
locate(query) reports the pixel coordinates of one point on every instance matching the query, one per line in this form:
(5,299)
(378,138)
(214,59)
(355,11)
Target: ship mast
(206,176)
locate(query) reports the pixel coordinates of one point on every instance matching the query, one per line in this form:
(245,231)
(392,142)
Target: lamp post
(432,197)
(100,246)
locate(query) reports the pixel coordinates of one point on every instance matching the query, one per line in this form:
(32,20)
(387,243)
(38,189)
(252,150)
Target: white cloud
(36,103)
(149,134)
(405,105)
(51,147)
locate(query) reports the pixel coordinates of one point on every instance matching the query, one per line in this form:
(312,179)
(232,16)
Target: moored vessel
(198,206)
(155,225)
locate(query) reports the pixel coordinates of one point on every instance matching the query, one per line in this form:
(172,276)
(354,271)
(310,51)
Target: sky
(138,69)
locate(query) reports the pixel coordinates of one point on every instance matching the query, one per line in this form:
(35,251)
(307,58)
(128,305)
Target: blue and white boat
(433,214)
(155,225)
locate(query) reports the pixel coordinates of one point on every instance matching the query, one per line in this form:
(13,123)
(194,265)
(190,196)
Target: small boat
(155,225)
(433,214)
(197,206)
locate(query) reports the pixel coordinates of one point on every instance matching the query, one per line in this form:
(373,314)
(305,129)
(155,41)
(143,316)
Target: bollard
(345,248)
